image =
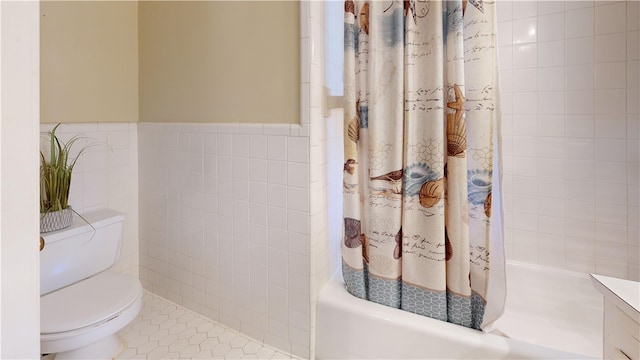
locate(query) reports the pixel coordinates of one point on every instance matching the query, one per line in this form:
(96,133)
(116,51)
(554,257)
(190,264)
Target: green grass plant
(56,170)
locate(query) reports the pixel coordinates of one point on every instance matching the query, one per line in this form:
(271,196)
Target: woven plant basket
(55,220)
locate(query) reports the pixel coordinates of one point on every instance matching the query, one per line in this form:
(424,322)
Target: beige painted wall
(219,61)
(89,61)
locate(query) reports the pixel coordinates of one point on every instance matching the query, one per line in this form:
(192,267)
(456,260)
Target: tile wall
(326,165)
(224,225)
(569,77)
(225,219)
(106,176)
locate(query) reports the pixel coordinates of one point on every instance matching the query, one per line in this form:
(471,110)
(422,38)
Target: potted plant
(56,170)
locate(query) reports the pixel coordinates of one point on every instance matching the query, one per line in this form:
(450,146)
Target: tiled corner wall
(325,166)
(224,225)
(106,176)
(569,77)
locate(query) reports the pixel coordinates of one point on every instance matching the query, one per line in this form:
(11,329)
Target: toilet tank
(80,250)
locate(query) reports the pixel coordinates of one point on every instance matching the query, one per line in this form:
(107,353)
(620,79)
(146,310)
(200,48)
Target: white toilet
(82,306)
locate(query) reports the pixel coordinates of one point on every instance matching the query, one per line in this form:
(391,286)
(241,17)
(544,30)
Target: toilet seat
(84,312)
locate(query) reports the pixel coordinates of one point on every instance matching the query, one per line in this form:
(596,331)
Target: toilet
(82,305)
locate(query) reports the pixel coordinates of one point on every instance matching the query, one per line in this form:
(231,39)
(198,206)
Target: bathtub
(549,314)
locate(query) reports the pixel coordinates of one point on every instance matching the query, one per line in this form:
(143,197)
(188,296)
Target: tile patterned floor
(164,330)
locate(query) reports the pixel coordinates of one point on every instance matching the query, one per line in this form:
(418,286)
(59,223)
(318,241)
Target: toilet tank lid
(97,219)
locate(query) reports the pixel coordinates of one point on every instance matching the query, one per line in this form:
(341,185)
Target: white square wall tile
(527,146)
(505,57)
(551,78)
(258,213)
(580,247)
(277,217)
(611,214)
(579,125)
(551,147)
(524,9)
(579,102)
(298,174)
(225,144)
(298,221)
(504,10)
(240,168)
(277,195)
(258,170)
(525,56)
(611,75)
(298,149)
(525,125)
(611,268)
(633,15)
(610,251)
(610,18)
(550,7)
(579,50)
(610,101)
(583,229)
(258,192)
(578,4)
(611,150)
(258,145)
(612,172)
(525,80)
(210,143)
(298,199)
(580,148)
(579,23)
(525,31)
(277,148)
(525,204)
(633,101)
(611,47)
(608,193)
(551,258)
(611,233)
(551,167)
(225,166)
(579,77)
(505,33)
(241,145)
(580,169)
(525,103)
(277,172)
(551,103)
(298,243)
(553,242)
(551,27)
(581,264)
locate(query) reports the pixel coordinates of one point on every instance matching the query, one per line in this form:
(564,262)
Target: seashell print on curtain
(421,184)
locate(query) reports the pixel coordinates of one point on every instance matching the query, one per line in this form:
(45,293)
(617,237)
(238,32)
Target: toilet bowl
(82,305)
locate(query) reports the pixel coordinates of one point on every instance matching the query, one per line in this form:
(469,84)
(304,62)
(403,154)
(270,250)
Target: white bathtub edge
(352,328)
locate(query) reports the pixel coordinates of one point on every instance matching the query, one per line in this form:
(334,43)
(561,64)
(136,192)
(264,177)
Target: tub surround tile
(524,9)
(551,26)
(524,30)
(579,22)
(584,103)
(610,18)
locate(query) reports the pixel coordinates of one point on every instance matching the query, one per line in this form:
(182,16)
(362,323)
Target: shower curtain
(421,185)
